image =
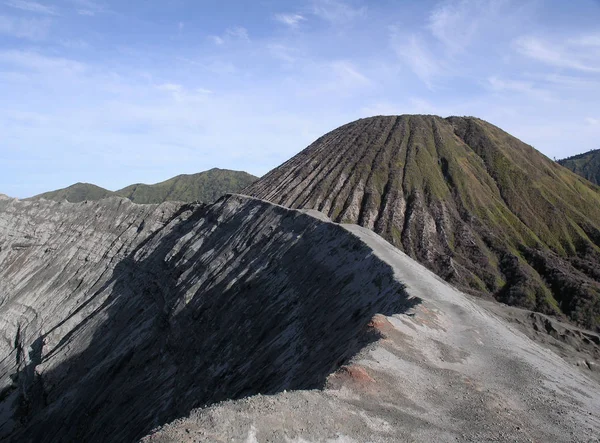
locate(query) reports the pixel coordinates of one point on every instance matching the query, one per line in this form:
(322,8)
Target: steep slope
(77,193)
(587,165)
(477,206)
(205,187)
(118,317)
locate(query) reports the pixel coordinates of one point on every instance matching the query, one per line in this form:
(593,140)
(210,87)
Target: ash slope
(477,206)
(587,165)
(117,317)
(446,371)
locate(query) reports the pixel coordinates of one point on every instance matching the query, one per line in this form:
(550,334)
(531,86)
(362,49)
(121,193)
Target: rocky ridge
(118,317)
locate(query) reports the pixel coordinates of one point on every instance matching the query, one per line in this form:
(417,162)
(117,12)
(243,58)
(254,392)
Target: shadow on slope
(230,300)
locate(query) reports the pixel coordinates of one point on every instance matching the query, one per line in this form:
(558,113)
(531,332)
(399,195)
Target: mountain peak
(476,205)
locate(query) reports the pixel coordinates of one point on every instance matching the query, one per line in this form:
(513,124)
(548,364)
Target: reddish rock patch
(353,375)
(381,324)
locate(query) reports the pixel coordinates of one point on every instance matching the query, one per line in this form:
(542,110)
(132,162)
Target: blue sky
(114,92)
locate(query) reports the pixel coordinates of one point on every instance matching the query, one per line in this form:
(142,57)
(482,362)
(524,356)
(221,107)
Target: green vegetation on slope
(204,187)
(77,193)
(480,208)
(587,165)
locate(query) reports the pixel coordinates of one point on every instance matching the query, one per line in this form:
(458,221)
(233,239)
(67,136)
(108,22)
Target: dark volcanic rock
(117,317)
(480,208)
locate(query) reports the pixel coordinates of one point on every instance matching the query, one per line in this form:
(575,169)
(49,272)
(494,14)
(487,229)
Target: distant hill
(205,187)
(77,193)
(482,209)
(587,165)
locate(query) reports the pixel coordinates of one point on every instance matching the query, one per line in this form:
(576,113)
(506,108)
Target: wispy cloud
(216,66)
(182,94)
(238,32)
(413,52)
(348,75)
(171,87)
(216,39)
(593,121)
(497,84)
(31,7)
(452,23)
(33,61)
(26,28)
(234,33)
(291,20)
(334,79)
(337,11)
(282,52)
(89,7)
(76,43)
(580,54)
(591,40)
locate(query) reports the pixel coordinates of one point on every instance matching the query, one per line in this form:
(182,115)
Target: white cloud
(282,52)
(215,66)
(518,86)
(456,23)
(238,32)
(413,52)
(587,40)
(216,39)
(26,28)
(348,75)
(234,33)
(88,7)
(220,67)
(570,81)
(31,7)
(449,23)
(180,26)
(33,61)
(291,20)
(593,121)
(75,43)
(337,11)
(580,54)
(337,79)
(171,87)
